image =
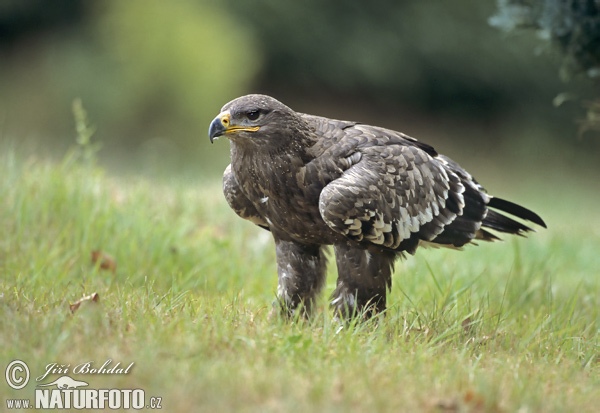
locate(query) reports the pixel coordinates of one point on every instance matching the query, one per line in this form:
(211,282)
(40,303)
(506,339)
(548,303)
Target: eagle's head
(257,120)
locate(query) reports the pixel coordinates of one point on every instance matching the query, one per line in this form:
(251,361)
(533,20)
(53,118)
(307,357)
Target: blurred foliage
(145,70)
(22,18)
(436,55)
(574,25)
(85,150)
(176,56)
(152,74)
(592,119)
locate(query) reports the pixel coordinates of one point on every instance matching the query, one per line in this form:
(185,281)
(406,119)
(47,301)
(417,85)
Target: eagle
(373,193)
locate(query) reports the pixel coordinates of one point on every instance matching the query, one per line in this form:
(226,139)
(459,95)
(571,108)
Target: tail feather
(502,223)
(516,210)
(484,235)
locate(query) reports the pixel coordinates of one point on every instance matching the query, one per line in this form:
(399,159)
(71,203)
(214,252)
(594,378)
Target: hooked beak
(218,126)
(222,125)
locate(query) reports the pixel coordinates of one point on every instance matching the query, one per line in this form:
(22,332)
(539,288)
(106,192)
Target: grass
(510,326)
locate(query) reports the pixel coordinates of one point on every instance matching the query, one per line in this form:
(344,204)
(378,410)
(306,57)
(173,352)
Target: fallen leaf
(447,405)
(476,401)
(94,297)
(467,325)
(107,262)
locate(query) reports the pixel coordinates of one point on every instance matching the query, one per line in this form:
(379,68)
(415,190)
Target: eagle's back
(395,192)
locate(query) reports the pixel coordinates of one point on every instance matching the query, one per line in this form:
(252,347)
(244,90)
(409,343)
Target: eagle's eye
(253,115)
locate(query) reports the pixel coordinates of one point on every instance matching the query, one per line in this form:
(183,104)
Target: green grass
(510,326)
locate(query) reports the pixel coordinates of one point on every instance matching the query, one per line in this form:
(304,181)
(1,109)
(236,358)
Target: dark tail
(502,223)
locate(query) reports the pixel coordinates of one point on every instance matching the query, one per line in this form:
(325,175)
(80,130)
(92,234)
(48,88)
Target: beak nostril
(225,121)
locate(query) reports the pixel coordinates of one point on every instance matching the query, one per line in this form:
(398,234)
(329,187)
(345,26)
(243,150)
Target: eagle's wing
(239,202)
(395,192)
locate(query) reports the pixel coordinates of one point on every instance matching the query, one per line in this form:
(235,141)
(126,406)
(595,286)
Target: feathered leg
(364,277)
(301,270)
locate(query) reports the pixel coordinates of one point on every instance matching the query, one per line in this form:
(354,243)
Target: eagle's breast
(276,185)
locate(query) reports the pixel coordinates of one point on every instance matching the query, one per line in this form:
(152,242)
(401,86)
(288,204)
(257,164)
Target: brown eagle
(372,193)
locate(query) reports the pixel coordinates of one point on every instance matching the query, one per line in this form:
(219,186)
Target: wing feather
(392,194)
